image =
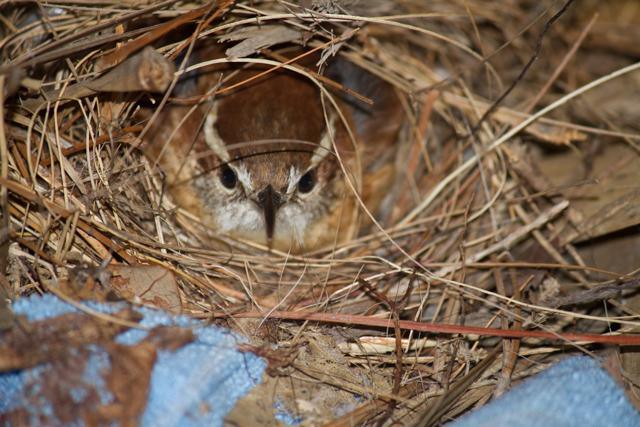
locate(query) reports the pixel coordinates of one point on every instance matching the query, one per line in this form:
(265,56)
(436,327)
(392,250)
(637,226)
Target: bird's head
(273,177)
(258,159)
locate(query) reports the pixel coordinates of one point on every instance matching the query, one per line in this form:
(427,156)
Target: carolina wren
(257,162)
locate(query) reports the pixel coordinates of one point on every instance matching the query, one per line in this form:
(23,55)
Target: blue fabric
(576,392)
(196,385)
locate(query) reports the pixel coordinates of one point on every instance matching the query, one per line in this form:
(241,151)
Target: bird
(264,157)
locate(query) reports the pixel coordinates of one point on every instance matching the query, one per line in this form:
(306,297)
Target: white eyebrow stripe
(324,148)
(244,176)
(294,177)
(212,137)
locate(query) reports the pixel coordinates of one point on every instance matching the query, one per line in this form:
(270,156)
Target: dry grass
(477,235)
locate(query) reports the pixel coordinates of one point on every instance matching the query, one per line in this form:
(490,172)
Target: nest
(485,269)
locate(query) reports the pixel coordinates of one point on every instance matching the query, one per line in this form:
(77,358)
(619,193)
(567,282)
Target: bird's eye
(307,182)
(228,177)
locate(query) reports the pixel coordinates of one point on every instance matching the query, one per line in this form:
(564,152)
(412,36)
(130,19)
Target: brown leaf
(149,284)
(170,337)
(29,344)
(604,189)
(257,38)
(128,381)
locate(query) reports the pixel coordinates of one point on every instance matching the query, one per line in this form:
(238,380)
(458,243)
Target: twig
(442,328)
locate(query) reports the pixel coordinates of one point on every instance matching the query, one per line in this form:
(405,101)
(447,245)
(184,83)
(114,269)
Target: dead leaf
(170,337)
(257,38)
(128,380)
(617,101)
(604,189)
(147,284)
(29,344)
(616,252)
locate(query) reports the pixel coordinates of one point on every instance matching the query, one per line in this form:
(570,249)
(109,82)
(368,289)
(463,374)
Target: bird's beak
(269,200)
